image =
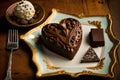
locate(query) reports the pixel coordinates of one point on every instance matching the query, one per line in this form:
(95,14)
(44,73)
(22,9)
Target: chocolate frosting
(65,37)
(73,32)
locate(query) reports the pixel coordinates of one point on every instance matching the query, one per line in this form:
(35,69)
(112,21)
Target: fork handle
(8,75)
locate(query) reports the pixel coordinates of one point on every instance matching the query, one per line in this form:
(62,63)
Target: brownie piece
(63,40)
(96,37)
(90,56)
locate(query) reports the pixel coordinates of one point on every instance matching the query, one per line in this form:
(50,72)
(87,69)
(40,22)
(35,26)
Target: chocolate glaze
(64,38)
(72,30)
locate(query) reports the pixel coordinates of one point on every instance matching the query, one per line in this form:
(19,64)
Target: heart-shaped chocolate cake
(64,38)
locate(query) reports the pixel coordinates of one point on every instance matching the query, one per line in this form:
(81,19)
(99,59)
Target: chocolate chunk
(23,21)
(90,56)
(96,37)
(31,21)
(63,40)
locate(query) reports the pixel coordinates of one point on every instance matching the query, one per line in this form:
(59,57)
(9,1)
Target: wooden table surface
(23,68)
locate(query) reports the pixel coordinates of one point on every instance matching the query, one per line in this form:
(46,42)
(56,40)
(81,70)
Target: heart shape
(64,38)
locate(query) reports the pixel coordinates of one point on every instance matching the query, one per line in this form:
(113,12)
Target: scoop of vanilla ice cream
(24,10)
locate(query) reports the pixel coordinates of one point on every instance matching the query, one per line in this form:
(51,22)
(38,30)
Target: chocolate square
(96,37)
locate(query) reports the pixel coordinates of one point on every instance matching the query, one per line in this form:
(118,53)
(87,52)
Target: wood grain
(23,68)
(95,7)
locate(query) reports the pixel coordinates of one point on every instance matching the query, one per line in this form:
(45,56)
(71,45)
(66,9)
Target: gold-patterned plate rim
(112,52)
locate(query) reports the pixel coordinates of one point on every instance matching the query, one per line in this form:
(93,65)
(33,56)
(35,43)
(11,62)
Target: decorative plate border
(112,52)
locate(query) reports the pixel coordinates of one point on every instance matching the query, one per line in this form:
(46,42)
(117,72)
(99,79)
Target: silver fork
(12,44)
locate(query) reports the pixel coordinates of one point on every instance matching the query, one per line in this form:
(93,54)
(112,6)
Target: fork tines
(13,39)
